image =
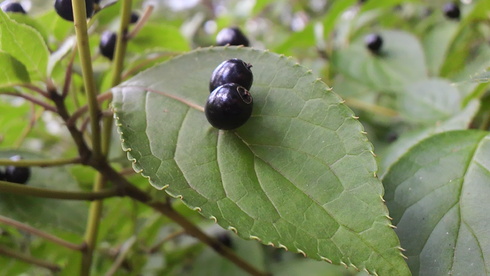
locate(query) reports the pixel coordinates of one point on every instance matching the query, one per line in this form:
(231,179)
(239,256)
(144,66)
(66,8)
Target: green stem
(96,206)
(13,188)
(40,162)
(79,15)
(37,232)
(92,229)
(28,259)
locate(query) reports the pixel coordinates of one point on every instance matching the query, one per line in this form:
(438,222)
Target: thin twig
(28,259)
(35,89)
(123,252)
(68,73)
(78,113)
(31,99)
(141,22)
(159,244)
(40,162)
(39,233)
(13,188)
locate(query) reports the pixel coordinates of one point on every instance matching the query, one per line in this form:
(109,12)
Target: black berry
(15,174)
(13,7)
(65,10)
(451,10)
(229,106)
(232,71)
(134,18)
(225,239)
(373,42)
(231,36)
(107,44)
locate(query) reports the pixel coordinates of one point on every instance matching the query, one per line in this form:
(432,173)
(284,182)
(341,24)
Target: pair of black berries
(15,174)
(230,103)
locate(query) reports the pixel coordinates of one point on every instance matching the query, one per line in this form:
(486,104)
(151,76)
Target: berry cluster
(230,103)
(15,174)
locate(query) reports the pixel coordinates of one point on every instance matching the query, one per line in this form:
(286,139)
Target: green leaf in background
(42,212)
(400,62)
(13,72)
(407,140)
(299,175)
(428,101)
(25,44)
(158,37)
(438,196)
(436,44)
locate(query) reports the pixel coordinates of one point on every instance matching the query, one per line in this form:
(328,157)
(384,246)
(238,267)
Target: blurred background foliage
(426,57)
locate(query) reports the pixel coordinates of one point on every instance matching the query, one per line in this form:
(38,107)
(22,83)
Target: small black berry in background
(13,7)
(107,44)
(134,18)
(15,174)
(2,175)
(451,10)
(225,239)
(232,71)
(65,10)
(228,106)
(373,42)
(231,36)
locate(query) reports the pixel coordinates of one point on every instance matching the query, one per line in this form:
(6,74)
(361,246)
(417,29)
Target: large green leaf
(43,212)
(438,196)
(13,72)
(25,44)
(300,174)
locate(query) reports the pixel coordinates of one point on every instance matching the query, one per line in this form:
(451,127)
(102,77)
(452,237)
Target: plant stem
(100,98)
(37,232)
(141,22)
(79,15)
(13,188)
(28,259)
(31,99)
(40,162)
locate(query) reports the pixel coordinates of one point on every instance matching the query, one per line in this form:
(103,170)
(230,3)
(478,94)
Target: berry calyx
(15,174)
(231,36)
(451,10)
(229,106)
(65,10)
(373,42)
(232,71)
(107,44)
(13,7)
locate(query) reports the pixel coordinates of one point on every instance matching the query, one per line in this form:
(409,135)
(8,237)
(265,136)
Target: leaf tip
(344,264)
(255,238)
(401,248)
(214,219)
(271,244)
(382,199)
(403,256)
(354,266)
(326,259)
(355,117)
(233,229)
(301,252)
(197,209)
(388,217)
(283,247)
(392,226)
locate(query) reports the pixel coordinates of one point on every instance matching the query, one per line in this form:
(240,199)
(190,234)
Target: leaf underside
(438,196)
(299,175)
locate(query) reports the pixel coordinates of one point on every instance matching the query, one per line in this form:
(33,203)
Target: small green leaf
(429,101)
(158,37)
(400,62)
(25,44)
(13,72)
(300,174)
(438,196)
(43,212)
(407,140)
